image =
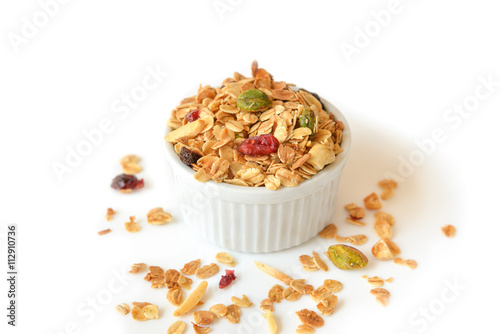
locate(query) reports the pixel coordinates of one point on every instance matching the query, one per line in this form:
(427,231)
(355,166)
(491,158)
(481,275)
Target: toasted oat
(157,216)
(271,322)
(372,202)
(151,312)
(103,232)
(327,305)
(448,230)
(174,296)
(132,226)
(130,164)
(233,314)
(301,287)
(355,211)
(355,221)
(243,302)
(156,277)
(171,277)
(382,228)
(390,280)
(384,216)
(207,271)
(203,317)
(225,258)
(184,282)
(177,327)
(320,293)
(123,309)
(319,262)
(386,194)
(333,285)
(192,300)
(200,330)
(267,304)
(109,214)
(275,294)
(375,281)
(290,294)
(308,263)
(329,231)
(190,267)
(412,264)
(381,294)
(385,249)
(219,310)
(137,268)
(144,311)
(311,318)
(387,184)
(304,329)
(357,240)
(274,272)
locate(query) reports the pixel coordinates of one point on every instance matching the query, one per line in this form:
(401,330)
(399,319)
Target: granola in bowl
(255,132)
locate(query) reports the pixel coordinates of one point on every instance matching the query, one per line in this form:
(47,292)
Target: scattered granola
(301,287)
(109,214)
(329,231)
(291,294)
(304,329)
(174,296)
(177,327)
(227,279)
(327,305)
(448,230)
(273,272)
(372,202)
(271,322)
(123,309)
(380,215)
(311,318)
(243,302)
(267,305)
(156,277)
(308,263)
(192,300)
(144,311)
(137,268)
(355,221)
(200,330)
(382,228)
(412,264)
(375,281)
(130,164)
(233,314)
(319,262)
(381,294)
(385,249)
(275,294)
(226,259)
(355,211)
(157,216)
(346,257)
(388,187)
(203,317)
(103,232)
(219,310)
(332,285)
(190,267)
(255,132)
(207,271)
(132,226)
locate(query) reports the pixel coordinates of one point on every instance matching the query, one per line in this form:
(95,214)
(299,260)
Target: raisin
(126,182)
(188,157)
(193,115)
(227,279)
(316,96)
(260,145)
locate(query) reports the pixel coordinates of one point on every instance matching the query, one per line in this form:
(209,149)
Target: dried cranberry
(260,145)
(125,182)
(316,96)
(193,115)
(227,279)
(188,157)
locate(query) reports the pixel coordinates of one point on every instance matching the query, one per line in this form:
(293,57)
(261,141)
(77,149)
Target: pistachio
(253,100)
(307,119)
(347,257)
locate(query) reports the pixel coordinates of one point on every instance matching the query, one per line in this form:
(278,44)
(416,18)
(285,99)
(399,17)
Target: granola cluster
(255,132)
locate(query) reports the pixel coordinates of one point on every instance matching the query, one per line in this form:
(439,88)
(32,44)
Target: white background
(64,79)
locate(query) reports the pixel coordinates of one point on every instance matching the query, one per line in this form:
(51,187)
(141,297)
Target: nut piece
(177,327)
(225,258)
(332,285)
(321,155)
(382,295)
(192,300)
(109,214)
(243,302)
(203,317)
(132,226)
(253,100)
(319,262)
(273,272)
(219,310)
(123,309)
(130,164)
(190,267)
(328,232)
(207,271)
(448,230)
(103,232)
(157,216)
(275,294)
(385,249)
(382,228)
(233,314)
(347,257)
(310,318)
(266,305)
(137,268)
(174,296)
(188,131)
(372,202)
(271,322)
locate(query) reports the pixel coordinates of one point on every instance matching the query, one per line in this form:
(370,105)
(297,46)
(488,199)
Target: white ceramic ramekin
(255,219)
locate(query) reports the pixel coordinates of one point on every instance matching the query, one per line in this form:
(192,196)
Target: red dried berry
(227,279)
(260,145)
(125,182)
(188,157)
(193,115)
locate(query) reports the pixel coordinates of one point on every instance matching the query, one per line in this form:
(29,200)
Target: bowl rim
(262,195)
